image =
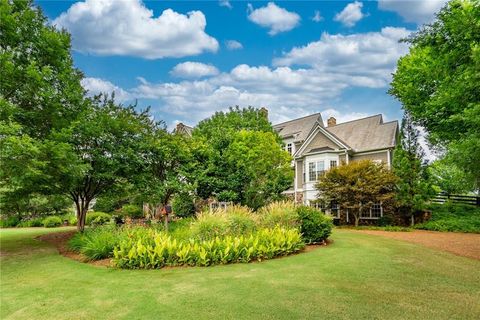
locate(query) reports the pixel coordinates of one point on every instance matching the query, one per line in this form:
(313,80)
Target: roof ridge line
(375,115)
(310,115)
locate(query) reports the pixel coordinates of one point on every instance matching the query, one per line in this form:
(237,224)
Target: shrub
(34,222)
(314,225)
(97,218)
(97,243)
(52,222)
(385,221)
(450,217)
(153,249)
(209,225)
(9,222)
(183,205)
(132,211)
(234,220)
(281,213)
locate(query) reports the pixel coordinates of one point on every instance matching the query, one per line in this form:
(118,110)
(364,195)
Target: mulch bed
(60,240)
(461,244)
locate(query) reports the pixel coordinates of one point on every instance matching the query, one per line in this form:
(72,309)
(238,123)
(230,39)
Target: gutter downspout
(295,182)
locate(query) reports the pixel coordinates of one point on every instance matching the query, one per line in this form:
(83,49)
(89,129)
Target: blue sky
(188,59)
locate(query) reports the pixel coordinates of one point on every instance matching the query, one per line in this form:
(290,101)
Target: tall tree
(413,187)
(40,92)
(357,186)
(438,83)
(167,159)
(99,151)
(38,76)
(228,162)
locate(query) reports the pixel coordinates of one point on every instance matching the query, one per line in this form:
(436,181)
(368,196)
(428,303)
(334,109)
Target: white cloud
(96,86)
(225,3)
(351,14)
(422,11)
(303,81)
(233,45)
(111,27)
(273,17)
(317,17)
(191,69)
(365,57)
(341,116)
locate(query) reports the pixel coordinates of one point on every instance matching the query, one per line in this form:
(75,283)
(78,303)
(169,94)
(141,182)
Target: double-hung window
(373,212)
(333,163)
(290,148)
(315,170)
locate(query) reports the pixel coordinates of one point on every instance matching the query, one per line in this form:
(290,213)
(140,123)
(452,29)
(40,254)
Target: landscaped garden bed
(218,237)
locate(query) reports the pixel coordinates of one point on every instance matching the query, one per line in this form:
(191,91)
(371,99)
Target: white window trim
(370,217)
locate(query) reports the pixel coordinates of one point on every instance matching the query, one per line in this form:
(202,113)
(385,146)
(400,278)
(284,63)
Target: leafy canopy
(358,185)
(238,157)
(438,83)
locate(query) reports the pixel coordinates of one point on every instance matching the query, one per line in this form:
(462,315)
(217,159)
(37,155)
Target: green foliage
(235,220)
(237,156)
(314,225)
(97,218)
(133,211)
(168,158)
(453,218)
(183,205)
(438,83)
(448,177)
(385,221)
(379,228)
(413,186)
(9,221)
(31,223)
(358,185)
(40,93)
(97,243)
(280,213)
(152,249)
(52,222)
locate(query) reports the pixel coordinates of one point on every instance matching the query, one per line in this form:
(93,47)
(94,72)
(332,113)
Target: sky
(188,59)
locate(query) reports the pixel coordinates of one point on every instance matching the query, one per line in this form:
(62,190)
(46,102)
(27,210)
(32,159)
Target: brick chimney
(264,112)
(331,122)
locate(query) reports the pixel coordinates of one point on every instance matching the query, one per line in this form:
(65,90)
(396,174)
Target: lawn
(359,276)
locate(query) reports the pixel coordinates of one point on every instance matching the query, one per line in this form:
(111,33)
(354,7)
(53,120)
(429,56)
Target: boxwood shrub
(52,222)
(314,225)
(97,218)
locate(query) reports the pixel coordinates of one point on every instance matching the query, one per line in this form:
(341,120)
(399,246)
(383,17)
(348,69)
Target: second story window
(290,148)
(315,170)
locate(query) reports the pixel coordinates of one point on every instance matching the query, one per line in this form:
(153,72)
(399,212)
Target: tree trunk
(412,219)
(357,219)
(82,208)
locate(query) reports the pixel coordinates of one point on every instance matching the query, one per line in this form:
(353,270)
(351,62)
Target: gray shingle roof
(366,134)
(183,129)
(298,128)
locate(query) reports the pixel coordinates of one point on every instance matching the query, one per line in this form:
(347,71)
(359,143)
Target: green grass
(357,277)
(453,217)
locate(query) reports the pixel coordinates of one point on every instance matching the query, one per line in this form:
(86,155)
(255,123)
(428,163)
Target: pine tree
(413,188)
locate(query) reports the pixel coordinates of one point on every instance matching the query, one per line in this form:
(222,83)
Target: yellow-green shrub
(153,249)
(234,220)
(280,213)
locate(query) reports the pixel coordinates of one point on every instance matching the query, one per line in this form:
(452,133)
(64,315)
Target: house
(316,148)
